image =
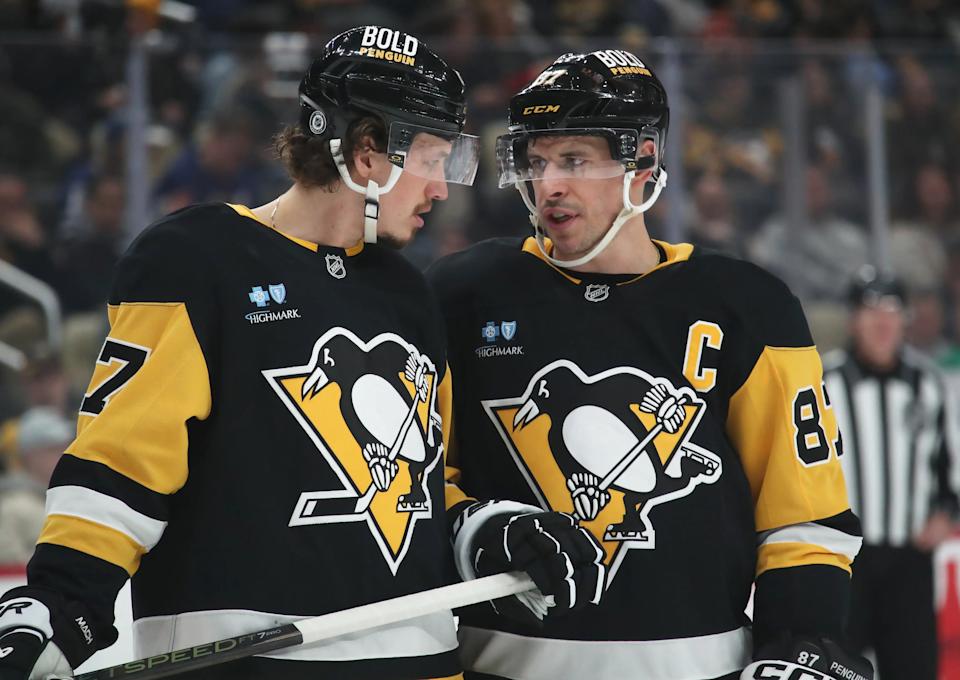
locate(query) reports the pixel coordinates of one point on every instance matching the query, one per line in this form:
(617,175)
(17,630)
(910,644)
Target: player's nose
(437,190)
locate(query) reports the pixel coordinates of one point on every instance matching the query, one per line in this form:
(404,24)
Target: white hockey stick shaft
(414,605)
(318,628)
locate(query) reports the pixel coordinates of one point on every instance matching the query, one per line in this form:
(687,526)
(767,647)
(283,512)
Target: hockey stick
(367,498)
(319,628)
(635,452)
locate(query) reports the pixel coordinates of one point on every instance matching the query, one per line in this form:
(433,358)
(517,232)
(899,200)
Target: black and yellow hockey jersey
(223,448)
(681,417)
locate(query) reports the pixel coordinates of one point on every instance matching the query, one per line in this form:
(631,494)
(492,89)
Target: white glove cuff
(468,524)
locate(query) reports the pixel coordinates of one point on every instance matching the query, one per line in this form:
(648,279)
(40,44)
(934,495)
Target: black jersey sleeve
(107,501)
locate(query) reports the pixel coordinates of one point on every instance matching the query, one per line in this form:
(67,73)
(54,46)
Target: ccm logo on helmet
(390,45)
(542,108)
(621,62)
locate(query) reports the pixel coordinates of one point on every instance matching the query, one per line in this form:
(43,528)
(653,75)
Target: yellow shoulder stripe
(94,539)
(785,555)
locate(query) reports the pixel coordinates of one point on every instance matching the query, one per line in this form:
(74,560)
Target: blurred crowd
(222,78)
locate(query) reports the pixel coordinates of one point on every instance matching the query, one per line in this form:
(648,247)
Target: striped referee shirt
(898,443)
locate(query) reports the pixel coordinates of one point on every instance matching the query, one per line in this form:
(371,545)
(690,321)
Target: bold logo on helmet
(317,122)
(370,409)
(389,45)
(621,62)
(544,108)
(606,448)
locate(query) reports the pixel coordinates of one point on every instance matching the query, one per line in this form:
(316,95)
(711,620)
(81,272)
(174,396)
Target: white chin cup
(371,193)
(629,211)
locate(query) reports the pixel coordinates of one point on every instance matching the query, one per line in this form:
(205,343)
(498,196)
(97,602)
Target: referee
(898,458)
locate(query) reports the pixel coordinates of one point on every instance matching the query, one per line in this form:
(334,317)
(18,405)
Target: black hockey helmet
(607,93)
(373,70)
(380,71)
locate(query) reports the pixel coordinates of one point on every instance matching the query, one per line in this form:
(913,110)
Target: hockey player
(669,400)
(263,436)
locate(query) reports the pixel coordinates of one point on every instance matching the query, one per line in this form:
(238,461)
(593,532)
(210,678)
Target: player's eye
(537,166)
(571,163)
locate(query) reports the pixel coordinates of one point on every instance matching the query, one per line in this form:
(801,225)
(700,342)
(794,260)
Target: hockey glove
(563,559)
(41,637)
(807,659)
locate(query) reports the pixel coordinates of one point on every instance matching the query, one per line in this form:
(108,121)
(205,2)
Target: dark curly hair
(307,158)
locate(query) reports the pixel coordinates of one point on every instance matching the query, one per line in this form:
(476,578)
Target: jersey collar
(675,252)
(309,245)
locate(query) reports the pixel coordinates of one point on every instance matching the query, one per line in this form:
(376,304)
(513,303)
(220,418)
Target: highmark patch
(267,316)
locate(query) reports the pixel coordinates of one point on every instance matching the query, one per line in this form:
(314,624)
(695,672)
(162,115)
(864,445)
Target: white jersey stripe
(530,658)
(79,501)
(828,538)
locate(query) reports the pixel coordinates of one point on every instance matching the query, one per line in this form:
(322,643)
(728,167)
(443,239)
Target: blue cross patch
(490,332)
(259,296)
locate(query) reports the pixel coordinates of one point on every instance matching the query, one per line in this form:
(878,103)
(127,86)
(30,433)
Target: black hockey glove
(42,638)
(563,559)
(807,659)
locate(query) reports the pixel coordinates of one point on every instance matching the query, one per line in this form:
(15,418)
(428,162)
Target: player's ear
(369,163)
(364,161)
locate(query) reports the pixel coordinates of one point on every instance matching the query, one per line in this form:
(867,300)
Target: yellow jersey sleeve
(107,498)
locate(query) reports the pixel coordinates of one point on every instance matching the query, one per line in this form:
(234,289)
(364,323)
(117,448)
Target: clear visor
(434,154)
(588,153)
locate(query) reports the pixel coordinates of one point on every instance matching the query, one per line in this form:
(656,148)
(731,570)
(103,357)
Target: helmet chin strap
(629,211)
(371,193)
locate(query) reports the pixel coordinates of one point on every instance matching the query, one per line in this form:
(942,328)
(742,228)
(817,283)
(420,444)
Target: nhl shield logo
(278,292)
(335,266)
(596,292)
(508,329)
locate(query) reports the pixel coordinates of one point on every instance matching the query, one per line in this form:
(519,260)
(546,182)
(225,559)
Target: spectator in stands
(43,436)
(713,224)
(833,132)
(23,241)
(43,384)
(732,132)
(918,239)
(920,124)
(221,165)
(927,332)
(816,258)
(86,260)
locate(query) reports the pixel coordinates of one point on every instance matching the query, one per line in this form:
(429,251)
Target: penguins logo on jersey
(619,444)
(370,409)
